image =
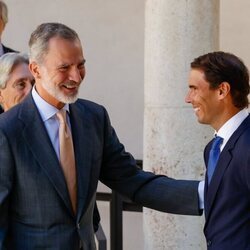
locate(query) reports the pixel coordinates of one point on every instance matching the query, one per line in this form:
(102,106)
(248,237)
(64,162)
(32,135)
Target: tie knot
(217,142)
(61,115)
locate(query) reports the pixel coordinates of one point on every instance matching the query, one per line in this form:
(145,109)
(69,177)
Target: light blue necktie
(213,157)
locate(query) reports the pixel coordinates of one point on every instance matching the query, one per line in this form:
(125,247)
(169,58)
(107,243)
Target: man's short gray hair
(8,62)
(39,40)
(4,12)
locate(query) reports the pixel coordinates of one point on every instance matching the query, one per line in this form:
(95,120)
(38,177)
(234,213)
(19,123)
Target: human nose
(27,89)
(75,75)
(188,97)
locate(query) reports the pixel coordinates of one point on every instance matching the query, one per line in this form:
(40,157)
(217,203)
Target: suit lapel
(39,143)
(223,163)
(81,132)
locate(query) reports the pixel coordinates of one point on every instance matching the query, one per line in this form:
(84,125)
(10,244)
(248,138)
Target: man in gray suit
(37,207)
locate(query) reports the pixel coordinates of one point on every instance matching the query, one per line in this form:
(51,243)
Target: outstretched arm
(119,172)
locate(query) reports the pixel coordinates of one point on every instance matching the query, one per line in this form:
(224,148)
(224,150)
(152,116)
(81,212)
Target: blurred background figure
(15,79)
(3,22)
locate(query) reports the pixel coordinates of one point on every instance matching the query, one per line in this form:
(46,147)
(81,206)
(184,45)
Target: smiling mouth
(69,86)
(196,110)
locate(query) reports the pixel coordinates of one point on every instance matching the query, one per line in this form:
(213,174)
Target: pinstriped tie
(67,157)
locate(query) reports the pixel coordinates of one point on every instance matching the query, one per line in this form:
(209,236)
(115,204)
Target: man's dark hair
(221,67)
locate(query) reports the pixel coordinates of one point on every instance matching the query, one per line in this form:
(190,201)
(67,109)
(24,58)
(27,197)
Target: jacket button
(209,243)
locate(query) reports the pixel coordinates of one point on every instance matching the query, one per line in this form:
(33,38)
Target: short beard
(57,94)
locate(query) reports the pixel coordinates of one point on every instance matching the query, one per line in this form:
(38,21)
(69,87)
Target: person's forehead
(21,66)
(56,42)
(197,75)
(60,48)
(19,71)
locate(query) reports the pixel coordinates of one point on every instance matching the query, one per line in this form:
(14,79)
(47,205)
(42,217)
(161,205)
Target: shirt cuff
(201,194)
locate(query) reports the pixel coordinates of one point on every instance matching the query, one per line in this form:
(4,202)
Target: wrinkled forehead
(59,43)
(60,49)
(21,70)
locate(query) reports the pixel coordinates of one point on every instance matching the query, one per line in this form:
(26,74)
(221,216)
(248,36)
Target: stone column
(176,31)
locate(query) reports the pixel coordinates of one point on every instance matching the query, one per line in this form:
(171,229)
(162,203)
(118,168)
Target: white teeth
(196,109)
(69,87)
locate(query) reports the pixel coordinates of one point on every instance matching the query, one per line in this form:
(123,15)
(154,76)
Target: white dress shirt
(230,126)
(48,114)
(225,132)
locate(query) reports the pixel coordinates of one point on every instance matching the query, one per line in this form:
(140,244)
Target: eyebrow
(21,79)
(191,86)
(82,62)
(68,64)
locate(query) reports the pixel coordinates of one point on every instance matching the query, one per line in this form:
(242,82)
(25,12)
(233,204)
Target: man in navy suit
(37,210)
(16,82)
(218,92)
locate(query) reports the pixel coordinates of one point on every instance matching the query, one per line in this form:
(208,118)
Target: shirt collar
(45,109)
(231,125)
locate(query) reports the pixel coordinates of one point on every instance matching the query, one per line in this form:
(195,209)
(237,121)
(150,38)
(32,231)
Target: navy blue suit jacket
(35,208)
(227,199)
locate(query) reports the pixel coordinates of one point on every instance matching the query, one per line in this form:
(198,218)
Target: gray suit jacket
(35,208)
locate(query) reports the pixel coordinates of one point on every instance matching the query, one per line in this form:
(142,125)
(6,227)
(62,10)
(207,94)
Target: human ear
(35,70)
(1,99)
(224,89)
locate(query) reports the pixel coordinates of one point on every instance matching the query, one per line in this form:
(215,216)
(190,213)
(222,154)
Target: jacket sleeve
(119,172)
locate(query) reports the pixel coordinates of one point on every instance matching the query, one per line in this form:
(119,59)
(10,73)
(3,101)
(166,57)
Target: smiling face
(17,87)
(61,72)
(205,100)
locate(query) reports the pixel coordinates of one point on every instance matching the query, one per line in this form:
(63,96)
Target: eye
(63,68)
(193,88)
(20,85)
(81,65)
